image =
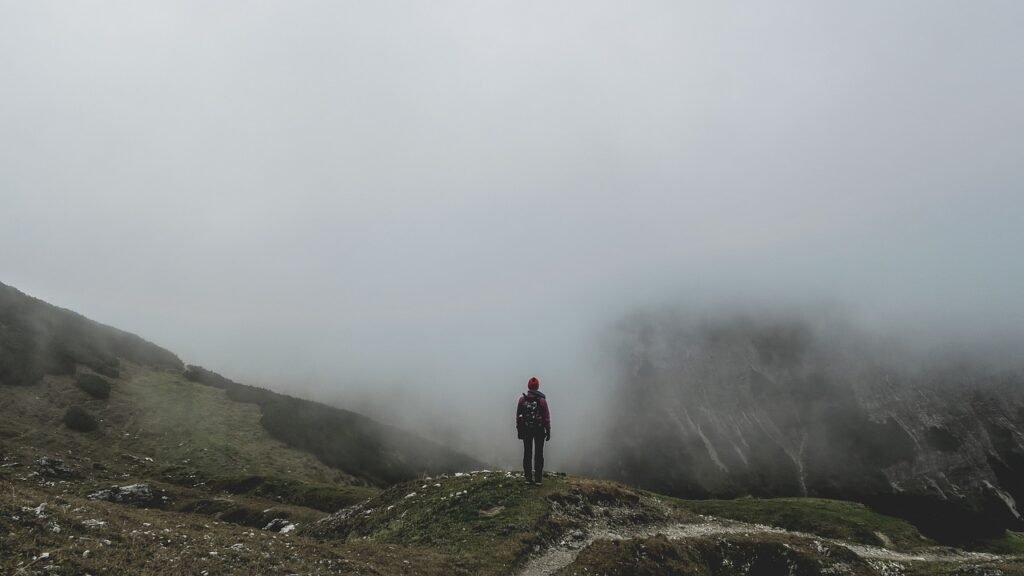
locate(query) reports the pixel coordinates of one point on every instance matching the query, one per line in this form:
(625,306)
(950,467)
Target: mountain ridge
(781,407)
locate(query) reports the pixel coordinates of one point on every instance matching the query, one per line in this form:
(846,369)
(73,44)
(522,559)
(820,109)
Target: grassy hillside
(828,518)
(40,343)
(159,419)
(341,438)
(37,338)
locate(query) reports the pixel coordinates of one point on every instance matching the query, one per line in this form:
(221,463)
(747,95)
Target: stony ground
(485,522)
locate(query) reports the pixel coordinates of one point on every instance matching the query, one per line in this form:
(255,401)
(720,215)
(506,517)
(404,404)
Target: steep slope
(154,420)
(777,408)
(37,338)
(341,438)
(45,346)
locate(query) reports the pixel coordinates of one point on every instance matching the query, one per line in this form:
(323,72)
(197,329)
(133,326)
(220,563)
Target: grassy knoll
(152,421)
(487,522)
(827,518)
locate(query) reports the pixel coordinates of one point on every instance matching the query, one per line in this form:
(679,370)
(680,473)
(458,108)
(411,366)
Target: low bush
(95,386)
(76,418)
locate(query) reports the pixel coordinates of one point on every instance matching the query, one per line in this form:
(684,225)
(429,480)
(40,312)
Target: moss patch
(826,518)
(720,556)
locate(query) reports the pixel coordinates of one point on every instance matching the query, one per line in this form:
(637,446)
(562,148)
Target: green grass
(154,420)
(158,427)
(1008,567)
(106,538)
(176,422)
(324,497)
(484,521)
(826,518)
(487,522)
(766,554)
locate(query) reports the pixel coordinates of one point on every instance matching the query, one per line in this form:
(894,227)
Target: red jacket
(542,402)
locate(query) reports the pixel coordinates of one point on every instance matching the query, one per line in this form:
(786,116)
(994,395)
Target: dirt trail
(551,560)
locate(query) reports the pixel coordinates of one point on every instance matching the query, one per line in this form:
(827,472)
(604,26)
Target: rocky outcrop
(779,408)
(48,467)
(136,494)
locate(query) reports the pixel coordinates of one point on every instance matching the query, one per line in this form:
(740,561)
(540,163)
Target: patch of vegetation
(93,385)
(342,439)
(253,514)
(1008,567)
(324,497)
(488,522)
(827,518)
(107,538)
(180,423)
(949,521)
(157,420)
(719,556)
(77,418)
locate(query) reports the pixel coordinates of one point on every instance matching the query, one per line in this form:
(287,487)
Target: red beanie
(533,384)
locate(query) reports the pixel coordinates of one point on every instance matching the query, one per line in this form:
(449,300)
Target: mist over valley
(276,276)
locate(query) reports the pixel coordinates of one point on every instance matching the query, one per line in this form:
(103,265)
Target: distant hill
(775,407)
(40,340)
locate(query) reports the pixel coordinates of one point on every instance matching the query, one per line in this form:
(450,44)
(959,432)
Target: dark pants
(533,454)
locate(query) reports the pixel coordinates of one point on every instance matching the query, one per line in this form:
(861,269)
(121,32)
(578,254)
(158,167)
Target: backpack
(529,414)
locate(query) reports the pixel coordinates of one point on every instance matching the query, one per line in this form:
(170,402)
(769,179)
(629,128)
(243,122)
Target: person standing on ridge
(533,424)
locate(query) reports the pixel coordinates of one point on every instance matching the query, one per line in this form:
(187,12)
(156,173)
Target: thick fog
(411,208)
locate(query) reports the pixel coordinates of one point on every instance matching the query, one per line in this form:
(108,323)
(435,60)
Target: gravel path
(551,560)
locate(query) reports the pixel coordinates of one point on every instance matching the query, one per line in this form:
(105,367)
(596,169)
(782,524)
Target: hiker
(533,424)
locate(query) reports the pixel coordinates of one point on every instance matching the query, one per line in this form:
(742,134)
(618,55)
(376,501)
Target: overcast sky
(445,198)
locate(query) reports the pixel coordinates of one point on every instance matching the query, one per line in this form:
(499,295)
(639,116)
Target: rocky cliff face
(780,408)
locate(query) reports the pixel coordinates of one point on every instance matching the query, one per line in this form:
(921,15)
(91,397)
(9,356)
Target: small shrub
(95,386)
(78,419)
